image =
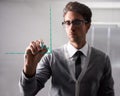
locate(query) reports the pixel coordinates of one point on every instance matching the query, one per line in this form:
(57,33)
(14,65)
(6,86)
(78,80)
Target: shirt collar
(72,50)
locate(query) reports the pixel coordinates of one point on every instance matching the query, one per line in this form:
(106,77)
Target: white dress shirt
(71,51)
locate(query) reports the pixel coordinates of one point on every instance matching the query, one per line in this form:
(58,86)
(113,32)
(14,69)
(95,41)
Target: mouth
(72,34)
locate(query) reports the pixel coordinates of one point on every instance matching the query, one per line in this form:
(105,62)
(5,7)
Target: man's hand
(34,52)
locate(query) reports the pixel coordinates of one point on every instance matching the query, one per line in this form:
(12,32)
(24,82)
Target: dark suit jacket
(95,80)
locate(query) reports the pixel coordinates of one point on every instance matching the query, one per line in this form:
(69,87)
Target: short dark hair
(80,8)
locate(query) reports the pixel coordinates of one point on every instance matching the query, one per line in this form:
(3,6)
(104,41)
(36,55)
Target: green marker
(50,49)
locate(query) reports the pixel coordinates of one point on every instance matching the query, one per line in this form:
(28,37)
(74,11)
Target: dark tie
(78,64)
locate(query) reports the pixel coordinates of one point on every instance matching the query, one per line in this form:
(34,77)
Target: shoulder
(58,50)
(97,52)
(99,55)
(100,58)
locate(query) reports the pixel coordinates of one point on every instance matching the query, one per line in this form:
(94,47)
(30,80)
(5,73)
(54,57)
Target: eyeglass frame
(76,22)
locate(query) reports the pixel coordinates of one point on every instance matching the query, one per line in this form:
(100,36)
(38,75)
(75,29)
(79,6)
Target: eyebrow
(75,20)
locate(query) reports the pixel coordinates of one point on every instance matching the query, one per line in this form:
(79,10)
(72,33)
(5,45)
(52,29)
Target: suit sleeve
(106,83)
(31,86)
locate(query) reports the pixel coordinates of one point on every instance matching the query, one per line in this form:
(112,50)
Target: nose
(72,27)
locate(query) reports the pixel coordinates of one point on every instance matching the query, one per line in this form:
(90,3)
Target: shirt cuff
(25,76)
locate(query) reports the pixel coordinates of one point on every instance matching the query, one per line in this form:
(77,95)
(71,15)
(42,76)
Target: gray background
(22,21)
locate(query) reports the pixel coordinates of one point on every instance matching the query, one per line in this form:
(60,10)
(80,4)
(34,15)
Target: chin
(75,40)
(72,39)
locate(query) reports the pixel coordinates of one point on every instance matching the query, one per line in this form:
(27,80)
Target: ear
(88,26)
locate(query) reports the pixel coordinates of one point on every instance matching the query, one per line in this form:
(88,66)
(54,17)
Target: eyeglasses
(75,22)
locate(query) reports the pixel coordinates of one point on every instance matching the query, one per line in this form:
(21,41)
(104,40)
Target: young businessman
(76,68)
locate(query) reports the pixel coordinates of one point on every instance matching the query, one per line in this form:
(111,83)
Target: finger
(41,43)
(33,44)
(33,50)
(33,47)
(27,50)
(38,45)
(42,52)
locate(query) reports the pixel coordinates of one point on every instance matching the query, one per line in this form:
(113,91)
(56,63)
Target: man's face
(75,27)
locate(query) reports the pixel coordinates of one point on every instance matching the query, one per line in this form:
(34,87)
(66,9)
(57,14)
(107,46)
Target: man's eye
(67,23)
(77,22)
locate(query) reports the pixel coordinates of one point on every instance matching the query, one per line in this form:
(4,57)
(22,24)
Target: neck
(78,45)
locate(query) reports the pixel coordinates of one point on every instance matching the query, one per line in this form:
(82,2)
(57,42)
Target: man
(76,68)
